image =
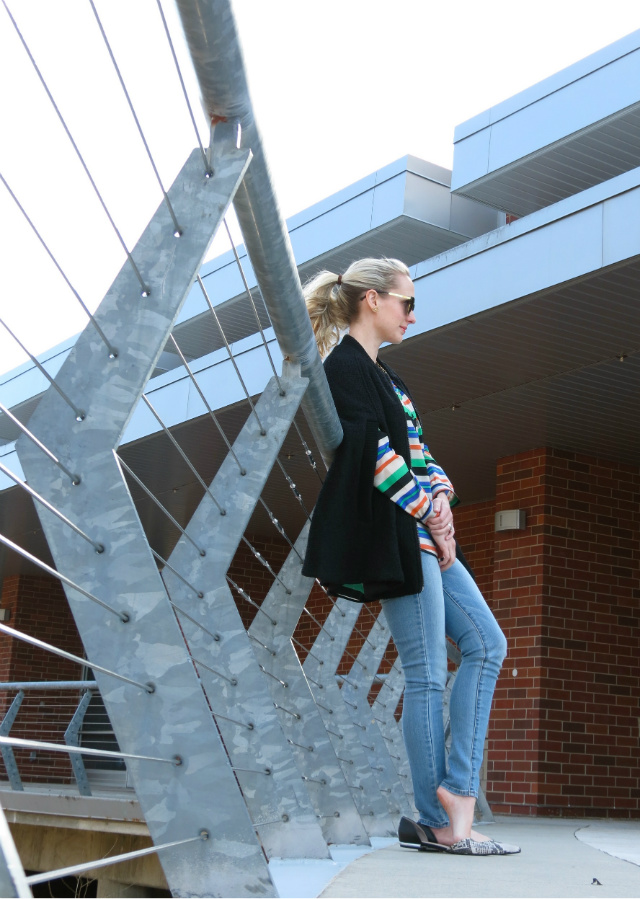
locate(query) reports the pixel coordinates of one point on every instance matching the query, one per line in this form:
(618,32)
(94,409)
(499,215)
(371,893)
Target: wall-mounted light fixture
(511,520)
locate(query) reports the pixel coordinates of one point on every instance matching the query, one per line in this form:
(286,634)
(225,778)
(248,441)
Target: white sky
(340,88)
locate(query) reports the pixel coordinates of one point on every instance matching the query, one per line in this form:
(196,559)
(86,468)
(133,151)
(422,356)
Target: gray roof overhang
(575,129)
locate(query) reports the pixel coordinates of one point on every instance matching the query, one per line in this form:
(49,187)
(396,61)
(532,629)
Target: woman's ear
(371,299)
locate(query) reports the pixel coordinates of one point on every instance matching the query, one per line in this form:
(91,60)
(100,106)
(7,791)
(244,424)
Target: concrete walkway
(559,858)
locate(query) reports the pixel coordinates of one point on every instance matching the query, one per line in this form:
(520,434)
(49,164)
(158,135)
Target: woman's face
(393,316)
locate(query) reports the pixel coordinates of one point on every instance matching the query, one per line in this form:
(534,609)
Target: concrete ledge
(57,807)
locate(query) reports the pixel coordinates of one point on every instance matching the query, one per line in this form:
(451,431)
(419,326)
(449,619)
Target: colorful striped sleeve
(440,483)
(394,479)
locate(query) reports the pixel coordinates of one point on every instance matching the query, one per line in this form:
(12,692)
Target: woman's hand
(441,523)
(446,551)
(442,531)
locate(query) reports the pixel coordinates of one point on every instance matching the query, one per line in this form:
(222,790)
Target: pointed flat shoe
(483,847)
(418,836)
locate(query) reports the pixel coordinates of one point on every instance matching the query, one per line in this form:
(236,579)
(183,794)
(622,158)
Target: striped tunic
(414,488)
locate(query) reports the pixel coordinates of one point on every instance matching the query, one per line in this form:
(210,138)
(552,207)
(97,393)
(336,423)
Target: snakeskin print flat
(484,847)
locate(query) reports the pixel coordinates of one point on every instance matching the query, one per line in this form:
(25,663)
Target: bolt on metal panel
(194,791)
(331,788)
(355,750)
(230,673)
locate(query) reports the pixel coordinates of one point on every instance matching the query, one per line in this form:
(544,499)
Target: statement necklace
(384,370)
(410,411)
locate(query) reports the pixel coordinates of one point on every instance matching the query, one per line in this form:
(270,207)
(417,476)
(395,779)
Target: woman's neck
(368,341)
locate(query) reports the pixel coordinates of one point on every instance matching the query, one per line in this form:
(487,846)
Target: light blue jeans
(450,604)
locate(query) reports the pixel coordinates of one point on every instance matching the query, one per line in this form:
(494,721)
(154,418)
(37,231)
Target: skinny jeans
(450,605)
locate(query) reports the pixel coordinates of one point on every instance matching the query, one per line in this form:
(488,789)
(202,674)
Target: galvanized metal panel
(173,720)
(355,690)
(330,786)
(229,672)
(340,716)
(383,713)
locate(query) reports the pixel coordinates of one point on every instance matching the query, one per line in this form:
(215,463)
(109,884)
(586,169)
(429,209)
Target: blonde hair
(333,301)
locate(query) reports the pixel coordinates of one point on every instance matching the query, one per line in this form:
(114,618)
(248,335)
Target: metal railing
(48,711)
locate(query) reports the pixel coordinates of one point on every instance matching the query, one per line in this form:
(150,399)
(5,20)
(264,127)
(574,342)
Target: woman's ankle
(460,810)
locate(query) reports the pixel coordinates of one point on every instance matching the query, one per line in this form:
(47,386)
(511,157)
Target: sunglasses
(409,302)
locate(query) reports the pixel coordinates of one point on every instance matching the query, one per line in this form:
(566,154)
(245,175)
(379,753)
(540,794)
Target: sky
(340,88)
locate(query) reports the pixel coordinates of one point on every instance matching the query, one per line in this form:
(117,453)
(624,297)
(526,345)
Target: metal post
(72,738)
(8,756)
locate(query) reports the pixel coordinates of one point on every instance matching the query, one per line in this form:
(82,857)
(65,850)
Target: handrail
(212,38)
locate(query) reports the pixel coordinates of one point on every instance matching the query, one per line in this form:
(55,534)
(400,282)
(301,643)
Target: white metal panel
(603,57)
(593,88)
(558,122)
(573,164)
(621,227)
(427,201)
(596,96)
(562,250)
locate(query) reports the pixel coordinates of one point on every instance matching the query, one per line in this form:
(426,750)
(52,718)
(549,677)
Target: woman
(383,530)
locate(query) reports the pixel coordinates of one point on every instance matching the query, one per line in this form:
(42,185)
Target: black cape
(357,535)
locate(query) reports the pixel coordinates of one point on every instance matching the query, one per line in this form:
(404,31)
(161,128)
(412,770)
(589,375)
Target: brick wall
(517,594)
(474,530)
(591,637)
(564,735)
